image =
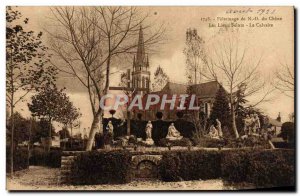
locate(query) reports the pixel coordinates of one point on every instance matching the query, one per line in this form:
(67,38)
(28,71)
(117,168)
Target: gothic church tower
(141,73)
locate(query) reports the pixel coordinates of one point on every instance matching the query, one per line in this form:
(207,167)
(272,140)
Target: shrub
(210,142)
(101,168)
(20,159)
(264,168)
(183,142)
(44,158)
(190,165)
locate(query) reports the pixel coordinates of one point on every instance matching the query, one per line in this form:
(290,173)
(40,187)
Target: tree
(160,79)
(240,107)
(64,133)
(195,56)
(220,109)
(285,79)
(229,62)
(53,104)
(21,128)
(89,40)
(288,132)
(26,63)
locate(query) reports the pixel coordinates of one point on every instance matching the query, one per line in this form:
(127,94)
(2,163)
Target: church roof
(174,88)
(203,90)
(208,89)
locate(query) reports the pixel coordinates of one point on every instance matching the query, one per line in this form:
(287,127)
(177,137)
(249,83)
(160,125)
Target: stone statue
(213,132)
(149,130)
(110,127)
(256,123)
(109,135)
(247,124)
(219,128)
(173,134)
(149,140)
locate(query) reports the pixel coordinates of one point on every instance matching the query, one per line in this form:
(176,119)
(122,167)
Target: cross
(132,90)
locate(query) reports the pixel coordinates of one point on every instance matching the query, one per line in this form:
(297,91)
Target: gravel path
(42,178)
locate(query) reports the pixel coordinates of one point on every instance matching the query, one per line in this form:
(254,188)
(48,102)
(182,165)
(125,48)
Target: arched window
(143,82)
(147,82)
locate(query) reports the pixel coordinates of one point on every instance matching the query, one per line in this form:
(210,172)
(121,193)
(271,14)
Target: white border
(4,3)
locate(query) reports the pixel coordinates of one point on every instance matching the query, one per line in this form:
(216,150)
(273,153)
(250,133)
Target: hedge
(20,159)
(182,142)
(264,168)
(44,158)
(190,165)
(110,167)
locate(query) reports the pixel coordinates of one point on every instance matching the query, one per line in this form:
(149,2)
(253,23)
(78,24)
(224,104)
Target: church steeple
(141,73)
(140,54)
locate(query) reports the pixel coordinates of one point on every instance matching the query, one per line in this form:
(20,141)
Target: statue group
(251,124)
(172,135)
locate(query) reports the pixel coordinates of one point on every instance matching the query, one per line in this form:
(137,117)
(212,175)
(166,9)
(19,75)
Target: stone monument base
(149,142)
(174,138)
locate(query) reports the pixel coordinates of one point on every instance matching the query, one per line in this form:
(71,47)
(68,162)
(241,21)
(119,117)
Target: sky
(276,44)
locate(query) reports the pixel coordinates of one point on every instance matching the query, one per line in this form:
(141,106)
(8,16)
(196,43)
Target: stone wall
(67,159)
(143,166)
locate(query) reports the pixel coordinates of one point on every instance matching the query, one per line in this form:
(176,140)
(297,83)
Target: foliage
(26,64)
(41,130)
(28,129)
(264,168)
(221,109)
(50,158)
(183,142)
(53,104)
(190,165)
(64,133)
(26,58)
(160,79)
(20,159)
(209,142)
(21,130)
(102,168)
(288,131)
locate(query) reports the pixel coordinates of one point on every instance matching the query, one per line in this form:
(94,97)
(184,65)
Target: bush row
(190,165)
(44,158)
(260,167)
(264,168)
(20,159)
(102,168)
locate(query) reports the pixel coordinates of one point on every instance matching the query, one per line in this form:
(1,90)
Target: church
(140,78)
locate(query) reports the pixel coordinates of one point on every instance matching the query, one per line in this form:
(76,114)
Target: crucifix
(130,91)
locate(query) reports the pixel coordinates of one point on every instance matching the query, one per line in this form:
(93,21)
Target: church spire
(140,56)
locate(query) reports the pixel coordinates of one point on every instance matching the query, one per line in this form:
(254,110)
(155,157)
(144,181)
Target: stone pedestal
(149,141)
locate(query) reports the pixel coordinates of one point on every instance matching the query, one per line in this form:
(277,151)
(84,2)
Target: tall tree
(160,79)
(89,40)
(26,63)
(221,110)
(229,61)
(195,56)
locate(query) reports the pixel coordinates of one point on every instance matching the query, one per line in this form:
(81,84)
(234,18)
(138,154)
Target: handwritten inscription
(244,17)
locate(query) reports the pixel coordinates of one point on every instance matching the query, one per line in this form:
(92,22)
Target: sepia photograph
(150,98)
